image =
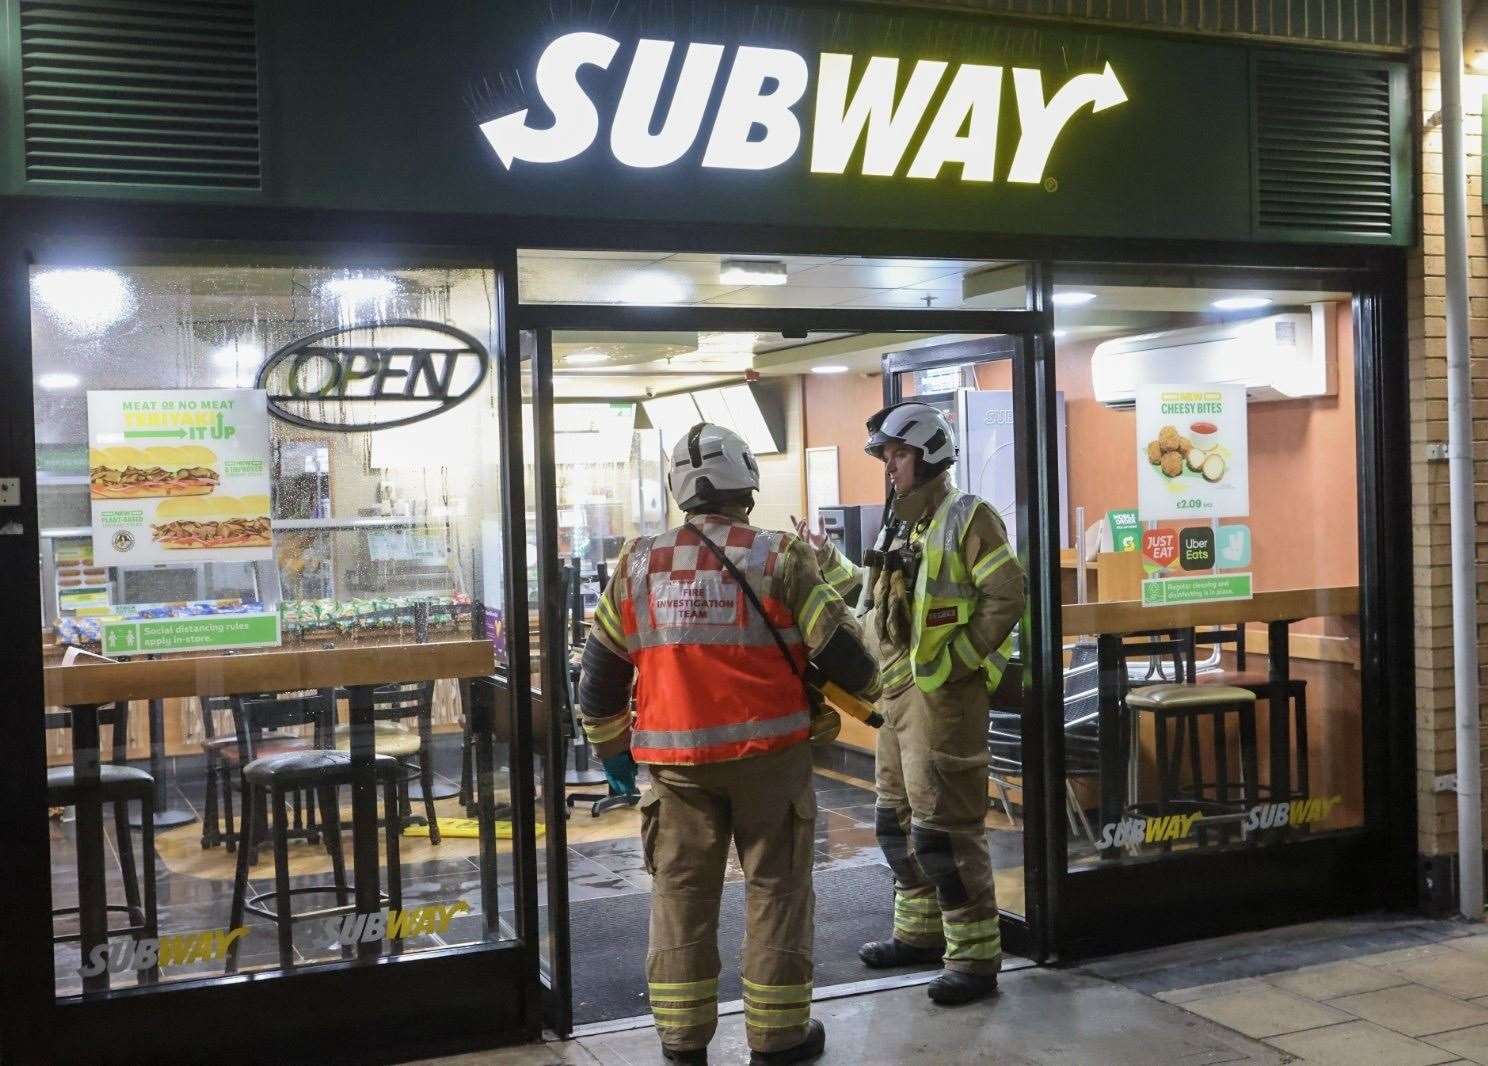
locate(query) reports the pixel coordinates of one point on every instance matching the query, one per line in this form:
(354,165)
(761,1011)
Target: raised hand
(817,537)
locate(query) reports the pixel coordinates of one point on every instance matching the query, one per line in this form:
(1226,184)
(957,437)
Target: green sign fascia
(216,633)
(403,106)
(1208,588)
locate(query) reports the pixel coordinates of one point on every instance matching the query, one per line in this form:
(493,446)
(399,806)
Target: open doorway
(799,383)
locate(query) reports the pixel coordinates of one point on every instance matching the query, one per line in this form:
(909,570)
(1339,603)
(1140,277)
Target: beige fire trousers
(766,807)
(932,804)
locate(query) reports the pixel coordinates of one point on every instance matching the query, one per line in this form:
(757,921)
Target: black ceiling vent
(1323,149)
(141,92)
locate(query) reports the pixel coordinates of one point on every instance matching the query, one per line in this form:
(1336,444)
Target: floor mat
(853,905)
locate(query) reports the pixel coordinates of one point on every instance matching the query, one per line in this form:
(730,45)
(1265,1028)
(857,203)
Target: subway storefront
(345,343)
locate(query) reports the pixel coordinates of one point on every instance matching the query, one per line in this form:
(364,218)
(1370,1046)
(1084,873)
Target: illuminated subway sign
(373,376)
(763,88)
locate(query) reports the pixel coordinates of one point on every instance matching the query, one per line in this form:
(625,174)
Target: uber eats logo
(757,127)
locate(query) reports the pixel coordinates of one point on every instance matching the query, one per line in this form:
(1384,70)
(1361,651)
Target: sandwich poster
(1193,447)
(179,477)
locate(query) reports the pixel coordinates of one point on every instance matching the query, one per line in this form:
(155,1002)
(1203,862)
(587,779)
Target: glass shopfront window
(1211,576)
(224,497)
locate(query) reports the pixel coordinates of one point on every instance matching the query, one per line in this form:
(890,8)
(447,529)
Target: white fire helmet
(709,463)
(917,425)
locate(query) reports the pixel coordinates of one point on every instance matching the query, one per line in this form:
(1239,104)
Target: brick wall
(1435,735)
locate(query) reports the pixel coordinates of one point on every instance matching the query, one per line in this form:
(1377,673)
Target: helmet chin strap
(712,506)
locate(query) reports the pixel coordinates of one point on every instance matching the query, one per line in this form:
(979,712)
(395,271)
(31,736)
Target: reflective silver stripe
(639,566)
(753,635)
(945,589)
(763,729)
(991,563)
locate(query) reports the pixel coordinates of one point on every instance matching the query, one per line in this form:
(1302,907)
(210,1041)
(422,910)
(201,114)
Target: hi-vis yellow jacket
(946,595)
(968,596)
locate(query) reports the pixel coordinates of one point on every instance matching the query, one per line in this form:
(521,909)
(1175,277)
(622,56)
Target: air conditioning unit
(1289,356)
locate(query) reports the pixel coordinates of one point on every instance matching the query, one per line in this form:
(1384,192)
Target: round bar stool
(1182,706)
(392,705)
(321,772)
(118,784)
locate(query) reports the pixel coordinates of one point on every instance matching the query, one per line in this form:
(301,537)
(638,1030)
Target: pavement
(1383,989)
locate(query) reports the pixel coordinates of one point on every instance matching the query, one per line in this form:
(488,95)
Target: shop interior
(393,537)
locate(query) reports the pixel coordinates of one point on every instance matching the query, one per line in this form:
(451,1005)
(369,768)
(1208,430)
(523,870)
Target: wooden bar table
(1109,622)
(83,688)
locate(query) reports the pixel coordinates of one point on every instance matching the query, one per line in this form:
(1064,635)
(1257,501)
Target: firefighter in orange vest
(715,621)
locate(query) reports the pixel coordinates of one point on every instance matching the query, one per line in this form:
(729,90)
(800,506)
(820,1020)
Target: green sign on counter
(1126,531)
(1174,591)
(219,633)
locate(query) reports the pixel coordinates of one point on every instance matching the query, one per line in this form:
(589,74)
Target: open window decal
(374,375)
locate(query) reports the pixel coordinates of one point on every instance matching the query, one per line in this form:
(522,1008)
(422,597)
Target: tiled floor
(194,885)
(1422,1004)
(1040,1017)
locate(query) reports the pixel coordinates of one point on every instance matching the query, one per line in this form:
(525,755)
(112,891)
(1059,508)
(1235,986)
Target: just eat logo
(1160,546)
(756,127)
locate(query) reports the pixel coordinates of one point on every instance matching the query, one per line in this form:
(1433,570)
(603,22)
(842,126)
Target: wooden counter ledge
(279,671)
(1129,616)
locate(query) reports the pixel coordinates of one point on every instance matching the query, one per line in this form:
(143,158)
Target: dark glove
(620,772)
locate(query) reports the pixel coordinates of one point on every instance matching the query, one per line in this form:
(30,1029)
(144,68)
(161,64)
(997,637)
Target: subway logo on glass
(756,126)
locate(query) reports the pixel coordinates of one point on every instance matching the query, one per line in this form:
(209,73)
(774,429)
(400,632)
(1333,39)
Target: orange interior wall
(837,406)
(1303,468)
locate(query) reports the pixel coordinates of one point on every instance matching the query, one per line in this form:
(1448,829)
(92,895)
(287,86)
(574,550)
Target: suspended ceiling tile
(868,274)
(940,299)
(567,253)
(787,296)
(793,263)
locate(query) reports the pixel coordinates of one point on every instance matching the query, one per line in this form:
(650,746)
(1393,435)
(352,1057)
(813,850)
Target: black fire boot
(695,1057)
(808,1049)
(886,954)
(951,989)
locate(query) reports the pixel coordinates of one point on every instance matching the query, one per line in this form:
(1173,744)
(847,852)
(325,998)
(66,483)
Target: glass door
(604,405)
(985,388)
(548,614)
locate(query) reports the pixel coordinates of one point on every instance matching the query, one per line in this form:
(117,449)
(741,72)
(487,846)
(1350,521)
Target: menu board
(179,477)
(1193,452)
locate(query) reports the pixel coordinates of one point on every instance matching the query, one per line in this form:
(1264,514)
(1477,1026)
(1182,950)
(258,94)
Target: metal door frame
(1035,454)
(1030,936)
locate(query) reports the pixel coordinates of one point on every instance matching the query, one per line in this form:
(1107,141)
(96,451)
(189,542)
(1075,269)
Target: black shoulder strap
(753,599)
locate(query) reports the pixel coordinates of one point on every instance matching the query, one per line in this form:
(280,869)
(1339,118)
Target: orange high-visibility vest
(711,684)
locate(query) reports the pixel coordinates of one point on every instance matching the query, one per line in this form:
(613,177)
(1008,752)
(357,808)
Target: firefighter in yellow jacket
(946,593)
(714,621)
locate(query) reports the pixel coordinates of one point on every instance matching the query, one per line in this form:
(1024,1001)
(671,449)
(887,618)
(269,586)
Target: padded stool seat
(310,763)
(389,738)
(1177,697)
(229,752)
(113,777)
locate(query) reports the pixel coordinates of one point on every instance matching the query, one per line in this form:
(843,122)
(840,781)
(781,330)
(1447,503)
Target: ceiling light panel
(752,272)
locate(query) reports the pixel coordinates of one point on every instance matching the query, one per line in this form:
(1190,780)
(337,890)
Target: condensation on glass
(381,538)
